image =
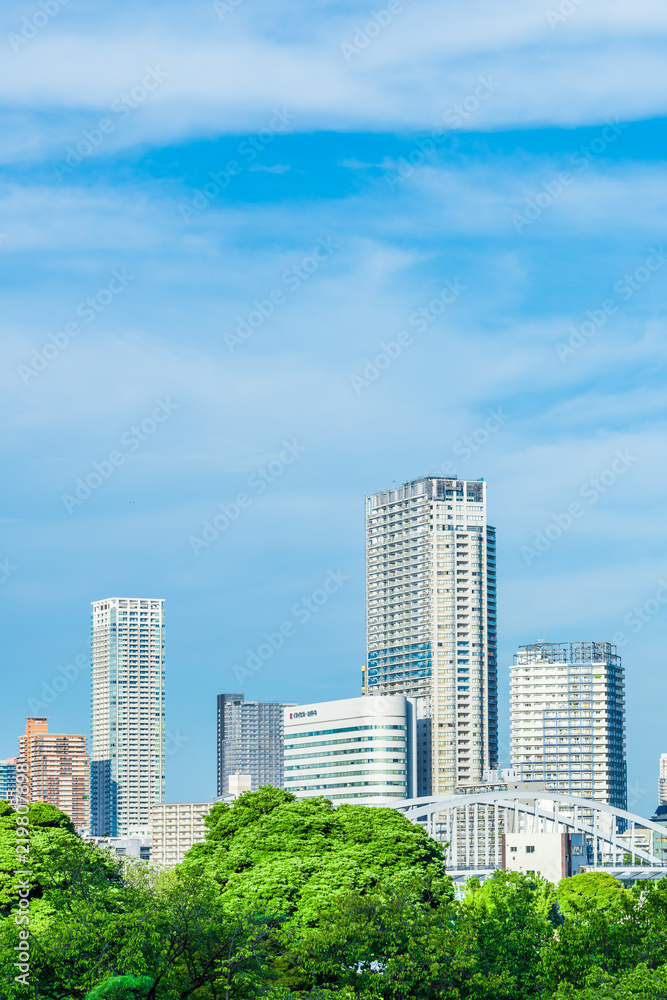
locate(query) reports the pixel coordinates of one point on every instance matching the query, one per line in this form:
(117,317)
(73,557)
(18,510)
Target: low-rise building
(125,847)
(552,855)
(177,826)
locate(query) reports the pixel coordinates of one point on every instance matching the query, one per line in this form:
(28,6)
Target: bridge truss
(472,826)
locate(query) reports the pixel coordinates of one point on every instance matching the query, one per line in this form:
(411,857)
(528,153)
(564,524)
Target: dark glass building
(250,741)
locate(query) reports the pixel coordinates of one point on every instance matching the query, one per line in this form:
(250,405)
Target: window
(513,849)
(530,850)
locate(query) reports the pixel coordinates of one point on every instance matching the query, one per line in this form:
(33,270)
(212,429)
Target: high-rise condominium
(431,622)
(57,767)
(567,719)
(250,741)
(662,782)
(128,715)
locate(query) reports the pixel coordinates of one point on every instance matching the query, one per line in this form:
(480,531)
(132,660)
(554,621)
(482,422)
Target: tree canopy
(297,900)
(297,858)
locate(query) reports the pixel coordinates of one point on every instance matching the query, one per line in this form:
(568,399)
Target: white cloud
(277,168)
(225,77)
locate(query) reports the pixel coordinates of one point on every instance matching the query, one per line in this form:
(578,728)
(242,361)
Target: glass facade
(8,779)
(250,741)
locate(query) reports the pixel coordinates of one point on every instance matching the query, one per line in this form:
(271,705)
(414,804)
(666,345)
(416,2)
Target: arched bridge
(472,825)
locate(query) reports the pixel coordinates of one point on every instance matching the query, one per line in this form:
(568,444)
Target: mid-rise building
(8,780)
(176,827)
(431,622)
(354,750)
(250,741)
(662,781)
(179,825)
(567,719)
(58,769)
(128,715)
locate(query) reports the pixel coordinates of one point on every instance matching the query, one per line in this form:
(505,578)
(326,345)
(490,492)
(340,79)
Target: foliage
(599,888)
(52,842)
(640,983)
(298,858)
(509,921)
(122,988)
(294,900)
(607,928)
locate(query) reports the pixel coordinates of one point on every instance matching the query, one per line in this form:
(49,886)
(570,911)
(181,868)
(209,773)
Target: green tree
(97,921)
(606,928)
(599,889)
(299,858)
(641,983)
(122,988)
(392,943)
(508,922)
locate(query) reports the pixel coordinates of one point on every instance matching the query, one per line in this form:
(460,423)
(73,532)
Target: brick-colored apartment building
(58,769)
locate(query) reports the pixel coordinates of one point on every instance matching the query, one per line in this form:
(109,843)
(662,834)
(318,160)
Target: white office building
(431,622)
(357,750)
(128,715)
(662,781)
(567,719)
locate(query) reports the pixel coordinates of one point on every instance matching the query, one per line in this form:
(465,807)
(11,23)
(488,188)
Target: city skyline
(246,303)
(177,740)
(406,529)
(343,331)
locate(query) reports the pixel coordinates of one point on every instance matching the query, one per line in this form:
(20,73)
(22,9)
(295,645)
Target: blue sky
(545,205)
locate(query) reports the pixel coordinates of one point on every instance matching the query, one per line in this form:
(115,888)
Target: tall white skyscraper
(431,622)
(128,715)
(567,719)
(662,782)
